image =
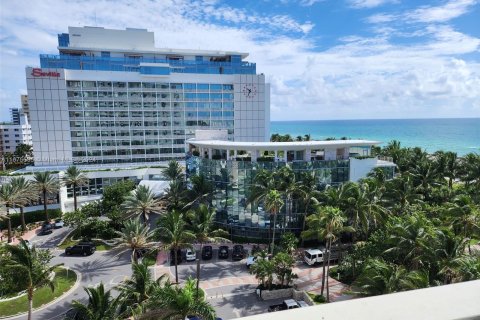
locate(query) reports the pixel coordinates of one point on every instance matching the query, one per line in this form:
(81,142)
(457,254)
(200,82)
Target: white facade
(11,135)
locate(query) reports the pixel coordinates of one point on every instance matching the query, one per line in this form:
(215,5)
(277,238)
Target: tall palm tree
(29,261)
(142,201)
(201,224)
(173,234)
(175,195)
(173,171)
(75,178)
(45,183)
(308,194)
(469,170)
(273,204)
(135,292)
(135,236)
(288,187)
(175,302)
(26,193)
(326,224)
(450,250)
(100,306)
(201,191)
(8,198)
(401,193)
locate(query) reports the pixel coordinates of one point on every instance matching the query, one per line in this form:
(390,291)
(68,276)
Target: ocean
(458,135)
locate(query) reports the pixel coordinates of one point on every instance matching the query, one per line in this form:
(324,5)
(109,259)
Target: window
(6,134)
(105,54)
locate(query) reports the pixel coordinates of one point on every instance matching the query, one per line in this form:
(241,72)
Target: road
(108,267)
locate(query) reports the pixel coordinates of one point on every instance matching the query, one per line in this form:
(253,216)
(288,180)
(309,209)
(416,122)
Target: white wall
(359,168)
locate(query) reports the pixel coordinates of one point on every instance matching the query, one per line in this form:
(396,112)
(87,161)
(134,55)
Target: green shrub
(31,217)
(319,299)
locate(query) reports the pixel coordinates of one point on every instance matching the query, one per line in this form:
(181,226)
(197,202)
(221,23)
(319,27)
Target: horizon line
(444,118)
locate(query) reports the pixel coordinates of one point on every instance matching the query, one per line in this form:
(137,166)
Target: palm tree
(273,204)
(201,224)
(173,171)
(288,187)
(413,241)
(29,261)
(326,224)
(264,270)
(201,191)
(174,302)
(46,184)
(26,193)
(75,178)
(401,193)
(379,277)
(8,198)
(308,194)
(101,305)
(175,195)
(173,235)
(135,291)
(451,249)
(465,217)
(469,170)
(135,236)
(141,201)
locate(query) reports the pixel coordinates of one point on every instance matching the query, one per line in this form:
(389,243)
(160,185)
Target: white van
(313,256)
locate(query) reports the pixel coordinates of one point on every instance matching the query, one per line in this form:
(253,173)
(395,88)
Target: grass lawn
(63,282)
(316,298)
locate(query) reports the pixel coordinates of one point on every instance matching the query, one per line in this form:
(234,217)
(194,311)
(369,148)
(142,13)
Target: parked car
(252,259)
(314,256)
(172,256)
(207,253)
(47,228)
(238,252)
(58,223)
(81,249)
(223,252)
(190,255)
(286,305)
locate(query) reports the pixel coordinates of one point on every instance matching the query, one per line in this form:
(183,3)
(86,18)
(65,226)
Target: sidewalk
(26,236)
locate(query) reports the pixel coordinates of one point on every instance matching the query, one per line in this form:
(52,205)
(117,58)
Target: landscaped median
(64,280)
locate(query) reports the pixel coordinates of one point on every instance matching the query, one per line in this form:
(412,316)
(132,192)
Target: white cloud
(362,77)
(450,10)
(361,4)
(381,18)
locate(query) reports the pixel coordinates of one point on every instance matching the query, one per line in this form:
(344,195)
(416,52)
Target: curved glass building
(231,168)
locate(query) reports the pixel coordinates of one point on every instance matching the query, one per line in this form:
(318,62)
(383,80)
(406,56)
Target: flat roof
(296,145)
(454,301)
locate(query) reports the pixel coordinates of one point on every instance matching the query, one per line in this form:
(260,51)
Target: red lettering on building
(37,72)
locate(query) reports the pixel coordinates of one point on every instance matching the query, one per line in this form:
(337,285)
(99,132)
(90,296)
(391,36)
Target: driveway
(108,267)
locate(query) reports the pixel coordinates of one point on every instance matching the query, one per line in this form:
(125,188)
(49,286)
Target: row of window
(146,114)
(126,152)
(151,95)
(113,143)
(149,105)
(88,134)
(150,85)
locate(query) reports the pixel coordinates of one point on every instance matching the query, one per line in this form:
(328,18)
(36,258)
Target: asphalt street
(109,267)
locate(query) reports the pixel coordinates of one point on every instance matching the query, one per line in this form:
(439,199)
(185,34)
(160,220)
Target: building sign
(37,72)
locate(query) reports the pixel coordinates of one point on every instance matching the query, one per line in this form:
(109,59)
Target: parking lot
(230,287)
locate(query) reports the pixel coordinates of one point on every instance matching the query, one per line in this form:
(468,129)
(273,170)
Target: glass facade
(123,122)
(232,182)
(95,186)
(103,62)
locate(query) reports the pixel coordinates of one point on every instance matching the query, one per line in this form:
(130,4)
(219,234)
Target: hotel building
(111,97)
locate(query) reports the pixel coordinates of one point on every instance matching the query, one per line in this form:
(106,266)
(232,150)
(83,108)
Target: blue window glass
(216,96)
(189,86)
(204,114)
(228,105)
(228,87)
(216,105)
(228,96)
(215,87)
(190,96)
(202,96)
(228,114)
(105,54)
(202,86)
(198,58)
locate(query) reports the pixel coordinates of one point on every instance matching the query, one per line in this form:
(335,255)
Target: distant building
(25,106)
(15,115)
(13,134)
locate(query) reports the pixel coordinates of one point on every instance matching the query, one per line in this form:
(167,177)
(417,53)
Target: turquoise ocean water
(458,135)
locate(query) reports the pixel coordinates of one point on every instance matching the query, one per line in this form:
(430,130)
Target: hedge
(30,217)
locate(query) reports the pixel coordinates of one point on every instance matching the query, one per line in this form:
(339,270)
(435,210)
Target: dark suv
(238,252)
(207,253)
(81,249)
(47,228)
(223,252)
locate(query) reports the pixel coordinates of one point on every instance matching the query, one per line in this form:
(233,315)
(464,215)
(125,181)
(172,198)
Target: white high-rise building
(110,96)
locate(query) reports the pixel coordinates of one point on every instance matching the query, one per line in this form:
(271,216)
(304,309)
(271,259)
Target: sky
(324,59)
